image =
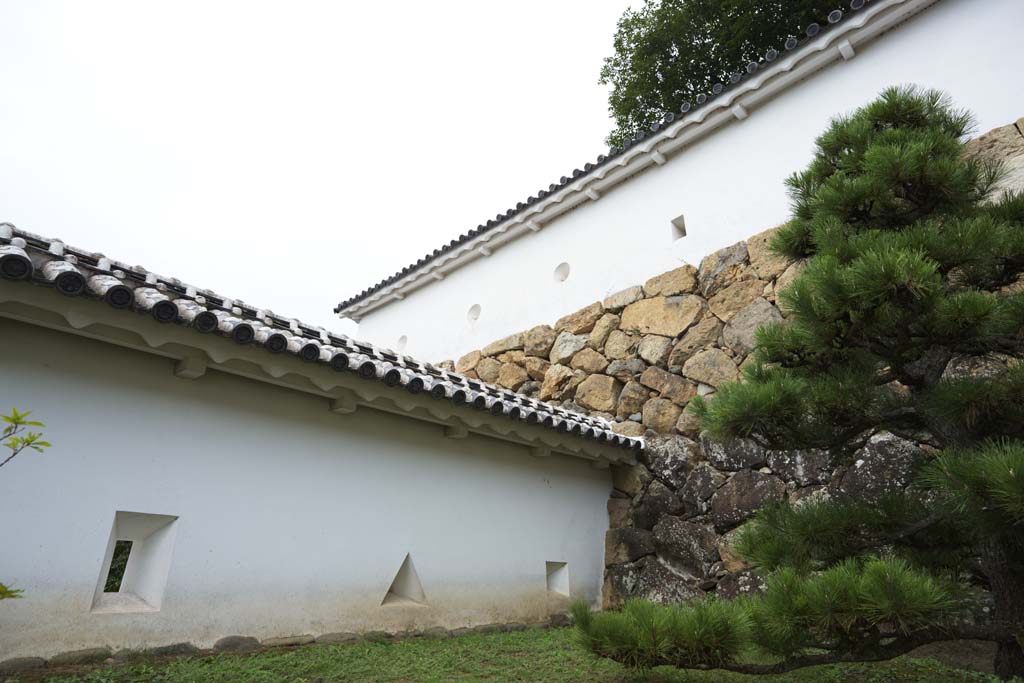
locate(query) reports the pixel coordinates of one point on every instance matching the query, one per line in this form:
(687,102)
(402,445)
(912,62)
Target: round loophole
(473,314)
(561,273)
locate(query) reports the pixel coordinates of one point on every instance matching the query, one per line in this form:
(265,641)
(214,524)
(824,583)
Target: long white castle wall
(290,519)
(727,186)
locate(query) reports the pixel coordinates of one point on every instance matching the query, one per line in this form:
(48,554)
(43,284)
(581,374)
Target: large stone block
(626,370)
(608,323)
(581,321)
(739,333)
(537,341)
(487,369)
(630,479)
(666,316)
(599,392)
(512,376)
(627,545)
(682,280)
(730,300)
(672,387)
(565,347)
(804,467)
(648,579)
(588,360)
(763,260)
(703,334)
(711,366)
(632,399)
(688,546)
(671,459)
(884,465)
(700,486)
(657,501)
(616,302)
(654,349)
(660,414)
(536,367)
(743,495)
(721,268)
(509,343)
(555,380)
(468,362)
(733,454)
(620,345)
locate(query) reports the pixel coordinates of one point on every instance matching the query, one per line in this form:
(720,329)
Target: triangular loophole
(406,588)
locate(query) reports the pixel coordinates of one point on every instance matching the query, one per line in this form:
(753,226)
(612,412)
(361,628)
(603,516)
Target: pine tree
(911,262)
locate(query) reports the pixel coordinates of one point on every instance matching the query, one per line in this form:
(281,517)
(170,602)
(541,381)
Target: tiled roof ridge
(809,32)
(75,272)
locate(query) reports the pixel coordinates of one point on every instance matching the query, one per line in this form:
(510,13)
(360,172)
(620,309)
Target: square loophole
(557,577)
(136,563)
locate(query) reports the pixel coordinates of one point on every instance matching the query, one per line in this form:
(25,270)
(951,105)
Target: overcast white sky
(290,154)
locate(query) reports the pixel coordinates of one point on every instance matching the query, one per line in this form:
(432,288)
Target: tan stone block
(667,316)
(512,376)
(661,414)
(616,302)
(599,392)
(711,366)
(682,280)
(608,323)
(468,362)
(670,386)
(589,360)
(582,320)
(620,345)
(487,369)
(509,343)
(735,298)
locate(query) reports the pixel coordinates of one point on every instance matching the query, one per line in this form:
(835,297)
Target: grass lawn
(548,656)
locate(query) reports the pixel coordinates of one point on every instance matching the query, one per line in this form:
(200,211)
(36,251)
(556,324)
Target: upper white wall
(728,186)
(291,519)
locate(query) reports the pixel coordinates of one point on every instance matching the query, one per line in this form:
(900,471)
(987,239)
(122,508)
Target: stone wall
(639,356)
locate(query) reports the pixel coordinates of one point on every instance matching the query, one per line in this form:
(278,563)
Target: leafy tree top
(669,51)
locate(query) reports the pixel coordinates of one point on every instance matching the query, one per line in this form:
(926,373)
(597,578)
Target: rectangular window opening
(557,578)
(118,563)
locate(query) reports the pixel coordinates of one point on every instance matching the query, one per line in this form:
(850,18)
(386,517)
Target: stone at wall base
(288,641)
(92,655)
(236,644)
(337,638)
(19,664)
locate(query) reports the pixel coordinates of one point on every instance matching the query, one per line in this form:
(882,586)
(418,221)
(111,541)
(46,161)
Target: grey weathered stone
(487,369)
(616,302)
(657,501)
(537,341)
(599,392)
(608,323)
(883,465)
(625,370)
(671,458)
(743,495)
(805,467)
(92,655)
(763,260)
(530,389)
(700,486)
(565,347)
(648,579)
(581,321)
(512,376)
(468,362)
(654,349)
(630,479)
(687,546)
(627,545)
(660,414)
(588,360)
(703,334)
(665,316)
(631,399)
(740,330)
(732,299)
(620,345)
(746,582)
(682,280)
(288,641)
(337,638)
(20,664)
(670,386)
(721,268)
(977,367)
(733,454)
(711,366)
(236,644)
(509,343)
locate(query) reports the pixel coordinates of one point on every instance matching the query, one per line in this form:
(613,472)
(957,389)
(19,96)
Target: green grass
(534,655)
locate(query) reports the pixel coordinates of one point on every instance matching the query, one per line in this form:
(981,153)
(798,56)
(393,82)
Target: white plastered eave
(839,43)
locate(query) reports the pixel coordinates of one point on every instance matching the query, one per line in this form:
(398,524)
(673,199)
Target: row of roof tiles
(25,256)
(735,78)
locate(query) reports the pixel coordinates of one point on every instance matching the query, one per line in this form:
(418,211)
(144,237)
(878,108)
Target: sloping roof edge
(41,261)
(760,81)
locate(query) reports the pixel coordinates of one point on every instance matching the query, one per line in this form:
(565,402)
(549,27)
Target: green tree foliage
(16,437)
(910,262)
(669,51)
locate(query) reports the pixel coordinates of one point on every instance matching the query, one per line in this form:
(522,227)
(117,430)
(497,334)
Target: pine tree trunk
(1005,572)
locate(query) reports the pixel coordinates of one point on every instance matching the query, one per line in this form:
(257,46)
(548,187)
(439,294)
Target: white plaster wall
(728,186)
(291,519)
